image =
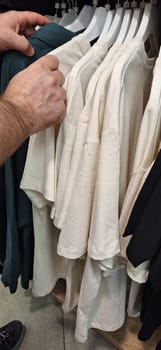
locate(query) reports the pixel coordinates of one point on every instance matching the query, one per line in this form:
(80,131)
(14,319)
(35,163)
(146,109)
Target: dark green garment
(16,227)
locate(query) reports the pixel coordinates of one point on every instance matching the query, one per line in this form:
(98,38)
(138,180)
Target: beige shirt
(75,215)
(81,179)
(39,173)
(148,146)
(75,86)
(102,292)
(101,301)
(127,96)
(49,267)
(146,151)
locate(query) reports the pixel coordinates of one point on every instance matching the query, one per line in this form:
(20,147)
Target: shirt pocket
(109,156)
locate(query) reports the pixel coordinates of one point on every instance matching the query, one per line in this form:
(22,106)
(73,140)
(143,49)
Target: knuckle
(60,94)
(49,61)
(27,13)
(13,12)
(55,59)
(55,77)
(43,59)
(62,78)
(59,77)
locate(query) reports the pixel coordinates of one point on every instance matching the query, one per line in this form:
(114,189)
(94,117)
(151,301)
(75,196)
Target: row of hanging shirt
(77,176)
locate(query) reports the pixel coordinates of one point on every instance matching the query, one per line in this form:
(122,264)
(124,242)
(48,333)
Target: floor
(47,328)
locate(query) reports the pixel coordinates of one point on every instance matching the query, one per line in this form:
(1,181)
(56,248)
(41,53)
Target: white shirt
(101,301)
(75,214)
(81,179)
(48,266)
(147,148)
(127,96)
(39,172)
(101,292)
(75,86)
(146,151)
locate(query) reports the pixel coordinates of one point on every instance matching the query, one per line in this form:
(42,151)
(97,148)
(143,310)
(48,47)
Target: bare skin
(15,27)
(34,98)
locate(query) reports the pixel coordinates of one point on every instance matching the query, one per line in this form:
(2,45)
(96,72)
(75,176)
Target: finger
(61,95)
(28,18)
(58,78)
(49,62)
(20,43)
(28,31)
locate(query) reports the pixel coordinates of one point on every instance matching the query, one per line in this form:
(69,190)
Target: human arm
(15,27)
(33,100)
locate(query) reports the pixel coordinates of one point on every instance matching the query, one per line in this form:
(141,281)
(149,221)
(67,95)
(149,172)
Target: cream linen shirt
(82,176)
(71,244)
(104,308)
(146,151)
(75,86)
(148,146)
(49,267)
(39,172)
(102,300)
(102,292)
(127,96)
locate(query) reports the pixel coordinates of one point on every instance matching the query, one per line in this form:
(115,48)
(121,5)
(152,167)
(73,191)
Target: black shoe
(11,335)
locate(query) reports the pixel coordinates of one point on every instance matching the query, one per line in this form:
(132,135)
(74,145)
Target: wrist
(14,116)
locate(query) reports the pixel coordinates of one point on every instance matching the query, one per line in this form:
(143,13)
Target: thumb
(20,43)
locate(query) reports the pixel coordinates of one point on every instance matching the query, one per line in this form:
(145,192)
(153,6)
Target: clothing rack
(124,338)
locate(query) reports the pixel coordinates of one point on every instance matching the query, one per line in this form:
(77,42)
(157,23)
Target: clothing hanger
(115,26)
(108,22)
(69,16)
(149,21)
(82,20)
(135,22)
(125,23)
(55,18)
(95,27)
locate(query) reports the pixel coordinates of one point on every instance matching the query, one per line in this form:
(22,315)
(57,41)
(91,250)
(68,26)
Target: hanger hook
(118,5)
(134,4)
(142,4)
(126,4)
(107,5)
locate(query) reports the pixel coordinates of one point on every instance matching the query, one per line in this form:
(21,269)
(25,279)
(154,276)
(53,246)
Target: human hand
(36,96)
(15,26)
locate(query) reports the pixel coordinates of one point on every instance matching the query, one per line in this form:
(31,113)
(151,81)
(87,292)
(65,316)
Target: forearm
(12,129)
